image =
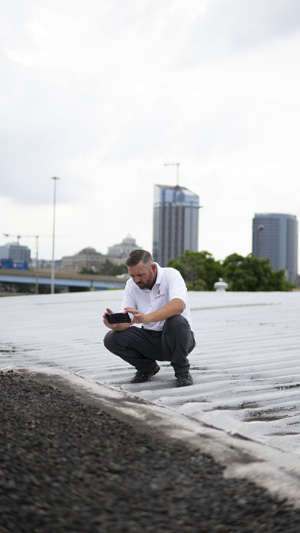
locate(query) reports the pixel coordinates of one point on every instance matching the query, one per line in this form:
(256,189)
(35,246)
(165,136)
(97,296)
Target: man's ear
(153,268)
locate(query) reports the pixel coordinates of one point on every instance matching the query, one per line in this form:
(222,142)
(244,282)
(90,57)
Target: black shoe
(185,379)
(142,376)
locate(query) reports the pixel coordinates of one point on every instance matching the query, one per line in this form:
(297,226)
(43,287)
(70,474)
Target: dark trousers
(141,347)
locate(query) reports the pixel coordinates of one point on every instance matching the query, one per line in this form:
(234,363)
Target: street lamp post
(53,236)
(37,264)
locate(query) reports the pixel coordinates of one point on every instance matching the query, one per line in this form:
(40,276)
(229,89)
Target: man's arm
(172,308)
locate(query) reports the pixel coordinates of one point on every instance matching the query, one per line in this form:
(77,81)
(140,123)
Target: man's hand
(105,321)
(138,316)
(115,327)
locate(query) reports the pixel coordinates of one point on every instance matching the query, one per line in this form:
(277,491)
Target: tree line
(201,271)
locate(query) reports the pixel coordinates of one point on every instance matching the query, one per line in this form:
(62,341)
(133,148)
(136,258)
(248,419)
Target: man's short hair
(136,256)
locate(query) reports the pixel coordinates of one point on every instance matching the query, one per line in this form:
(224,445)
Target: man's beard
(149,283)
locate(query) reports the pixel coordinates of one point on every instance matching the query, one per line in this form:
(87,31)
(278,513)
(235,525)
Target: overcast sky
(103,93)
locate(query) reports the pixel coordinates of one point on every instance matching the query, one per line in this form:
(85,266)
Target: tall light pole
(53,237)
(177,171)
(37,264)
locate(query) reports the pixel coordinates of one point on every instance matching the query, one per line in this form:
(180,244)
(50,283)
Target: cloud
(233,27)
(102,94)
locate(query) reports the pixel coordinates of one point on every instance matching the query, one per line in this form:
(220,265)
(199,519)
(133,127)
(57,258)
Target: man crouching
(156,298)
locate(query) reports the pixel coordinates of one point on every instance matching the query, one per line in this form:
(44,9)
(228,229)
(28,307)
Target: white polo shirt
(169,284)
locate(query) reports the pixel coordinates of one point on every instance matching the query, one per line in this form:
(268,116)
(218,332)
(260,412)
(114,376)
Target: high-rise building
(15,251)
(275,235)
(175,222)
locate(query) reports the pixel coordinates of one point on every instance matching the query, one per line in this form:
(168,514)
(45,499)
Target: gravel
(69,466)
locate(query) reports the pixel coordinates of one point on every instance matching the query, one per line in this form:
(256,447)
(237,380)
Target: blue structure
(275,235)
(175,222)
(14,265)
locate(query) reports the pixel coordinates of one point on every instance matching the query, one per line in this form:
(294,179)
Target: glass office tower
(275,235)
(175,222)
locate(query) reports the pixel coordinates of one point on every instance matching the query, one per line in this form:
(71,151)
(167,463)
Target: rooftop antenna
(177,171)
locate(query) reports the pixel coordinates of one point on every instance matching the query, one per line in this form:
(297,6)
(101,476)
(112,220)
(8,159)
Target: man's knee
(115,341)
(175,323)
(108,340)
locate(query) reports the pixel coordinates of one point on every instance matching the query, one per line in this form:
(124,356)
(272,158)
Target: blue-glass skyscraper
(175,222)
(275,235)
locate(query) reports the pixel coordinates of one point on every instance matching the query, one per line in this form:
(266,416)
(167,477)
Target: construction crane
(36,237)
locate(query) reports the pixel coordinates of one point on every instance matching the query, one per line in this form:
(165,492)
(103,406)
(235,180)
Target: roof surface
(246,364)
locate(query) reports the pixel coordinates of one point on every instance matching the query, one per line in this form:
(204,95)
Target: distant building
(47,263)
(90,259)
(15,251)
(175,222)
(86,258)
(275,236)
(119,252)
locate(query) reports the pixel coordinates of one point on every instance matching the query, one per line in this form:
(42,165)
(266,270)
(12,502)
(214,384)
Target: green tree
(199,269)
(253,274)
